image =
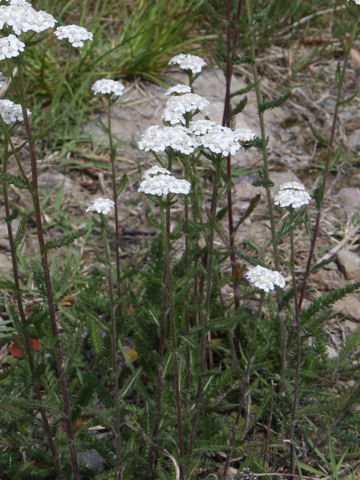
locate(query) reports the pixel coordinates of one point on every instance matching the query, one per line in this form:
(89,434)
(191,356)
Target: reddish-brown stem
(50,297)
(231,40)
(26,334)
(329,155)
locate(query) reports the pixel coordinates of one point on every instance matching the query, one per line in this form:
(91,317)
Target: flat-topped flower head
(220,140)
(10,47)
(292,194)
(155,170)
(244,134)
(108,87)
(173,118)
(188,102)
(22,17)
(158,139)
(178,89)
(162,184)
(75,34)
(264,279)
(188,62)
(101,205)
(201,127)
(178,105)
(11,112)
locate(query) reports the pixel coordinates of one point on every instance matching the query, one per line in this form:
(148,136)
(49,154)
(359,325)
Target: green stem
(163,328)
(266,176)
(116,211)
(206,316)
(170,296)
(298,345)
(113,337)
(244,388)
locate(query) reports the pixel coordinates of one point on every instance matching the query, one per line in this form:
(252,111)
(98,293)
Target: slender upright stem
(170,295)
(244,387)
(187,311)
(325,176)
(163,328)
(330,149)
(298,345)
(231,40)
(26,334)
(114,364)
(48,285)
(116,211)
(206,315)
(266,176)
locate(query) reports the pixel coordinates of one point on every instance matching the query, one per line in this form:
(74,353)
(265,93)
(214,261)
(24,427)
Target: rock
(278,178)
(244,188)
(331,266)
(349,306)
(350,327)
(349,263)
(53,181)
(349,197)
(4,239)
(5,262)
(93,460)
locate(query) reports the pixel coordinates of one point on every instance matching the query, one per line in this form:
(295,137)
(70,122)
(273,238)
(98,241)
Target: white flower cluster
(201,127)
(356,1)
(75,34)
(158,181)
(178,89)
(264,278)
(21,17)
(188,62)
(177,106)
(189,102)
(101,205)
(292,194)
(11,112)
(244,134)
(220,140)
(155,170)
(10,47)
(158,139)
(108,87)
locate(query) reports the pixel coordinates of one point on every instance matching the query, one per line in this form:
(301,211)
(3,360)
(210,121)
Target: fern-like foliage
(274,103)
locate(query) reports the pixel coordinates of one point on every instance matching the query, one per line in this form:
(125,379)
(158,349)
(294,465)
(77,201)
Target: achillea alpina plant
(146,352)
